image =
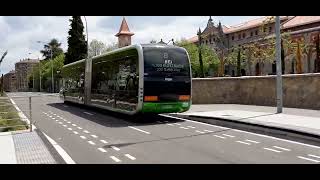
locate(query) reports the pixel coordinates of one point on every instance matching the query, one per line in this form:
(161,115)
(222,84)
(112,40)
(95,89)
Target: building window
(251,34)
(206,41)
(239,36)
(210,41)
(243,35)
(264,29)
(256,32)
(232,38)
(270,29)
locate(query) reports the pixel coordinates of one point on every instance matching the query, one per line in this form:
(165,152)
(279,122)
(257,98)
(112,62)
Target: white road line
(228,135)
(70,129)
(115,148)
(208,131)
(103,141)
(65,126)
(83,137)
(57,120)
(184,128)
(139,130)
(54,114)
(177,124)
(170,124)
(94,136)
(69,122)
(285,149)
(270,137)
(50,116)
(60,122)
(102,150)
(311,155)
(88,113)
(115,159)
(85,131)
(269,149)
(79,127)
(243,143)
(92,143)
(191,127)
(200,132)
(130,157)
(193,121)
(256,142)
(58,116)
(74,125)
(75,132)
(221,137)
(308,159)
(53,118)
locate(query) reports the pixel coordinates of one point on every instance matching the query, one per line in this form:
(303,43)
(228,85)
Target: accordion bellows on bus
(137,79)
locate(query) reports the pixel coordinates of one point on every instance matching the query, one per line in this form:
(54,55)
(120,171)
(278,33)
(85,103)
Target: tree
(96,47)
(111,47)
(56,49)
(210,58)
(77,45)
(153,41)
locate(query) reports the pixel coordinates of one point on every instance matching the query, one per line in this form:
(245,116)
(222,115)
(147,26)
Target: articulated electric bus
(137,79)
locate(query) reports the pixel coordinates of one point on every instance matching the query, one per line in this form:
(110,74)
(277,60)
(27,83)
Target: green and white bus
(137,79)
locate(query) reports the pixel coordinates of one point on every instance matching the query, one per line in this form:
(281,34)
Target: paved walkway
(302,120)
(27,148)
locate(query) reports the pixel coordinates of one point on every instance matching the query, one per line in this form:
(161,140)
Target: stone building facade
(9,82)
(23,70)
(222,39)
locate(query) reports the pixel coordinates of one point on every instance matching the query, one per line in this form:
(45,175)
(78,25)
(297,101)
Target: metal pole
(30,113)
(40,75)
(52,80)
(87,36)
(279,69)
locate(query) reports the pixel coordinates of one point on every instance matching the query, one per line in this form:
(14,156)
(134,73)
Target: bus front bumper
(165,107)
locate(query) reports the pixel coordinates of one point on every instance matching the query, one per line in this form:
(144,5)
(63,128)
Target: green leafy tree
(111,47)
(77,45)
(56,49)
(210,58)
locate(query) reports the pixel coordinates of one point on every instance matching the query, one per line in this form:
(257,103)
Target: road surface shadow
(110,118)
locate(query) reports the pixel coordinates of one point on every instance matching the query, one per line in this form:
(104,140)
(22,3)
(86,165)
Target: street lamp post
(88,68)
(279,69)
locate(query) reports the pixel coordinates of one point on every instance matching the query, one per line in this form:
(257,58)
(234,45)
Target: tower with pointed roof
(124,34)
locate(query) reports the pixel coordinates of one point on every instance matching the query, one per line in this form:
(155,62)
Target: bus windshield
(165,62)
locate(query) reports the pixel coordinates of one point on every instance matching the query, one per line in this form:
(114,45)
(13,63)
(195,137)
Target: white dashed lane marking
(200,132)
(74,125)
(241,142)
(311,155)
(65,126)
(92,143)
(115,148)
(85,131)
(80,128)
(94,136)
(273,150)
(139,130)
(191,127)
(284,149)
(177,124)
(170,124)
(60,122)
(75,132)
(256,142)
(69,122)
(184,128)
(70,129)
(115,159)
(228,135)
(102,150)
(308,159)
(83,137)
(221,137)
(208,131)
(130,157)
(104,142)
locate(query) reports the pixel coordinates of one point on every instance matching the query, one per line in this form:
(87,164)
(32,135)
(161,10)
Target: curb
(289,134)
(64,156)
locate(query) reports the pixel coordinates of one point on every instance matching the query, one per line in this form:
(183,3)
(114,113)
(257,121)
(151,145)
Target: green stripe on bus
(165,107)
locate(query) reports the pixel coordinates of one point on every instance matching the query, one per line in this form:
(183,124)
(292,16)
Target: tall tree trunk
(239,63)
(317,61)
(201,63)
(283,65)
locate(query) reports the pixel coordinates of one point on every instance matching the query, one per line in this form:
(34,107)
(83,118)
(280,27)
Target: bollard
(30,114)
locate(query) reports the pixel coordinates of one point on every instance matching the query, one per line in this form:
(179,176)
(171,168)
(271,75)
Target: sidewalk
(300,120)
(26,147)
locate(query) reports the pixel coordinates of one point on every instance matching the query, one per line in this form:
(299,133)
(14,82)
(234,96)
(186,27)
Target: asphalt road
(96,137)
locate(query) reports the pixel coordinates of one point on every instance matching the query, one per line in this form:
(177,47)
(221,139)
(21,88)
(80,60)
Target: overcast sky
(19,34)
